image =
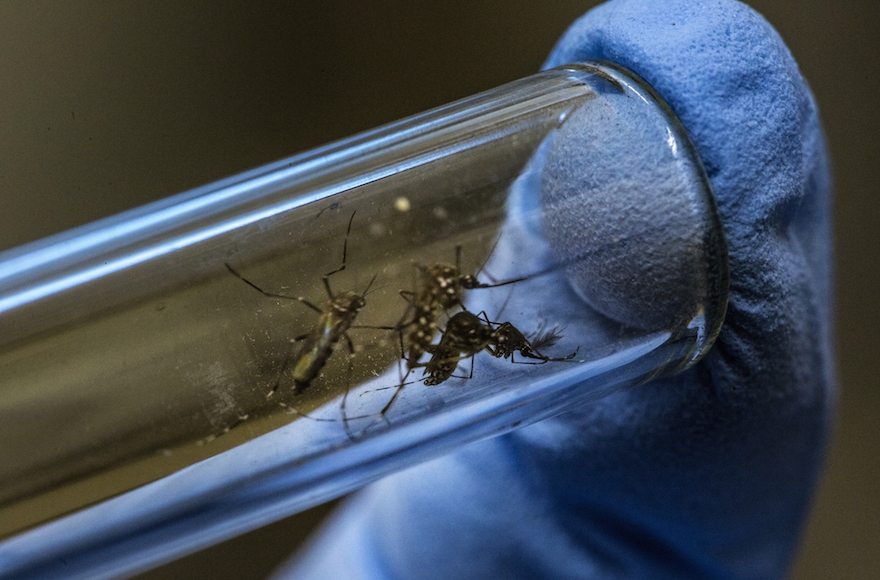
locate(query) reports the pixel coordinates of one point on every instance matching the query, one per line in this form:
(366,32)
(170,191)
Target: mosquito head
(348,303)
(469,281)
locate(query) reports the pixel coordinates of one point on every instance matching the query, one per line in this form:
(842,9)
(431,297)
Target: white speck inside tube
(229,356)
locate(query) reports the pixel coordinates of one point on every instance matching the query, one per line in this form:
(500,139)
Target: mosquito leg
(272,294)
(403,376)
(393,398)
(326,277)
(410,299)
(342,410)
(471,375)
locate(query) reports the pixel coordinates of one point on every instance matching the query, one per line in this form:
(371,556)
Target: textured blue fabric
(708,474)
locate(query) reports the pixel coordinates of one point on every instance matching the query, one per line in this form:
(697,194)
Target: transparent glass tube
(218,331)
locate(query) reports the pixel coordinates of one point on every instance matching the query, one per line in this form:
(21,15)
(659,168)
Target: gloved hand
(707,474)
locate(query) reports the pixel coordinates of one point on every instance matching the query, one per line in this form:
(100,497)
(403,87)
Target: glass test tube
(192,328)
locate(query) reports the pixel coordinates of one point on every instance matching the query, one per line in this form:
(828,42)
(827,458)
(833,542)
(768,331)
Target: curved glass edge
(704,311)
(709,320)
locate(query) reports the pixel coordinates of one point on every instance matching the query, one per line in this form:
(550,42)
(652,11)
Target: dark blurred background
(107,105)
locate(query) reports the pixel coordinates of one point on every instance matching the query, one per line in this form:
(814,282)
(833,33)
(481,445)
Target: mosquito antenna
(496,283)
(367,289)
(488,256)
(504,304)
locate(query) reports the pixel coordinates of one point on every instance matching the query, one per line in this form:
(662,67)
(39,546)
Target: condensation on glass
(150,341)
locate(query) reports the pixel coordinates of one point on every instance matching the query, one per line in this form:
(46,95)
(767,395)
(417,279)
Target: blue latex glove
(707,474)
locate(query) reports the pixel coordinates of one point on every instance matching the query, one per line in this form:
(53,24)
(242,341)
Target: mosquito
(466,335)
(441,287)
(336,318)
